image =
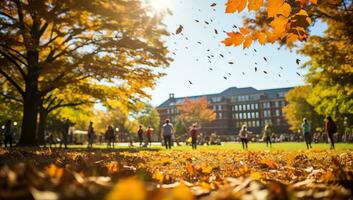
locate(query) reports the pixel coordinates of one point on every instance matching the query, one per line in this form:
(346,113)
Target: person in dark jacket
(65,133)
(140,135)
(193,135)
(330,128)
(8,133)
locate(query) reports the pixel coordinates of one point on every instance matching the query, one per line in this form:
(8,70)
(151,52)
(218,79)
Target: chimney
(171,96)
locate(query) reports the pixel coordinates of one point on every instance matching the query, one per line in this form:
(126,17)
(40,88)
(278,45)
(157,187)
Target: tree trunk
(30,112)
(43,116)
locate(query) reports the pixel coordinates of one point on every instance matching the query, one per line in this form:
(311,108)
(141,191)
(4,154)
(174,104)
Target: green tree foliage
(298,108)
(149,117)
(47,45)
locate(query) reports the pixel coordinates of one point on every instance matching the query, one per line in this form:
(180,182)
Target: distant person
(65,133)
(330,128)
(8,133)
(110,135)
(267,135)
(149,132)
(51,140)
(307,133)
(193,135)
(90,135)
(167,132)
(243,135)
(140,135)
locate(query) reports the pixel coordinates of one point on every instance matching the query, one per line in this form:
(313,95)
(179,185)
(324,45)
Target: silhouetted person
(307,133)
(110,135)
(90,135)
(193,135)
(243,135)
(149,132)
(140,135)
(8,133)
(167,132)
(330,128)
(267,135)
(65,133)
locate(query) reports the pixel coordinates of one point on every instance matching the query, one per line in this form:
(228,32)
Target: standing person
(330,128)
(65,133)
(167,132)
(90,134)
(267,135)
(306,132)
(193,135)
(243,135)
(140,135)
(110,135)
(8,133)
(149,132)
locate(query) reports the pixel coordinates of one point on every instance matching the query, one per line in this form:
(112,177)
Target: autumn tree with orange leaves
(195,111)
(287,21)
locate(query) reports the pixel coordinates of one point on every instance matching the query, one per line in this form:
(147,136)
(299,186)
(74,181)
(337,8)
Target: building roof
(233,91)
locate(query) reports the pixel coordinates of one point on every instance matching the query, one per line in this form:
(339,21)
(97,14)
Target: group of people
(147,133)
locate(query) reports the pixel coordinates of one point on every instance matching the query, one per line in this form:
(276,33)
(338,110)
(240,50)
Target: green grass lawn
(288,146)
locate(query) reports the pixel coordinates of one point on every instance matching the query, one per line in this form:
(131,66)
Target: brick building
(237,106)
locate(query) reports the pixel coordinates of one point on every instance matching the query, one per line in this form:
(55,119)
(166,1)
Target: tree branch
(13,82)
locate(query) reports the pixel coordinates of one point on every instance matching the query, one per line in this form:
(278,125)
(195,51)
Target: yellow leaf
(181,192)
(279,25)
(158,176)
(247,42)
(273,7)
(255,4)
(207,169)
(244,31)
(128,189)
(255,175)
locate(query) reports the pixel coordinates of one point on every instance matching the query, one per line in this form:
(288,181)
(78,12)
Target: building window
(258,123)
(256,106)
(253,115)
(216,99)
(278,112)
(278,121)
(281,94)
(266,105)
(248,106)
(277,103)
(219,115)
(244,115)
(267,113)
(249,115)
(240,116)
(257,114)
(236,107)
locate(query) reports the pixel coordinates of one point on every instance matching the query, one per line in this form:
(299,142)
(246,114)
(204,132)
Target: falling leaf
(180,29)
(234,38)
(231,63)
(215,30)
(265,59)
(190,82)
(213,4)
(297,61)
(265,72)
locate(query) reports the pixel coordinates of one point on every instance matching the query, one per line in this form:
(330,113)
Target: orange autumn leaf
(262,38)
(235,5)
(279,25)
(284,10)
(247,42)
(244,30)
(235,39)
(54,171)
(232,6)
(291,38)
(273,7)
(254,4)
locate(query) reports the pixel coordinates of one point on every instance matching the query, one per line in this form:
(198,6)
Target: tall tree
(298,108)
(149,117)
(195,111)
(47,45)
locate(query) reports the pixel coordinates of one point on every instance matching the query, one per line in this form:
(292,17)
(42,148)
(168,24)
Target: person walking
(267,135)
(307,133)
(140,135)
(65,133)
(167,132)
(8,133)
(148,133)
(193,135)
(330,128)
(90,134)
(243,135)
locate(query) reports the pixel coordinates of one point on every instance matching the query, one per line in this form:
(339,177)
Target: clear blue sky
(185,66)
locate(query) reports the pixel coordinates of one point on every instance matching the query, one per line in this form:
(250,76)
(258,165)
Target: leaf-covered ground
(27,173)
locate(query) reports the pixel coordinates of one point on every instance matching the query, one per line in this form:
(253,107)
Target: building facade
(235,107)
